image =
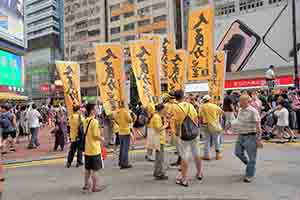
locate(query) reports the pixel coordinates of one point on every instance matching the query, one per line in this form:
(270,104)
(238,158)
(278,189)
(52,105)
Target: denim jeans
(210,140)
(247,143)
(124,150)
(34,137)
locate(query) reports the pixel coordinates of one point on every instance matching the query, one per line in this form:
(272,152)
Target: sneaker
(162,177)
(68,165)
(248,180)
(149,159)
(219,156)
(126,167)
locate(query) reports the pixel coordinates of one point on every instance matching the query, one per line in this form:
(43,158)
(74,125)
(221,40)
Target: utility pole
(296,78)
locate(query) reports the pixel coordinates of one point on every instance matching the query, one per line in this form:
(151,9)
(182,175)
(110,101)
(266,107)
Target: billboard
(12,21)
(12,71)
(256,39)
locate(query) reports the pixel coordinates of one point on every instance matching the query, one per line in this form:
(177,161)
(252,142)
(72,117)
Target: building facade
(44,25)
(84,24)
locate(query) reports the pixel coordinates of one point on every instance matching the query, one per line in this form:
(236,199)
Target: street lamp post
(296,78)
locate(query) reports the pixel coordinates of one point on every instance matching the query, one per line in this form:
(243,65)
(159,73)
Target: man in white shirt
(33,118)
(270,78)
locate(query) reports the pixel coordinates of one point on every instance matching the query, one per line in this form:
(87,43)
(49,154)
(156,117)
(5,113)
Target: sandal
(199,178)
(182,182)
(85,189)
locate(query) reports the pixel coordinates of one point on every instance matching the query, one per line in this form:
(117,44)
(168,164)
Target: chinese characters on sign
(144,56)
(69,75)
(176,70)
(217,81)
(167,46)
(200,44)
(110,75)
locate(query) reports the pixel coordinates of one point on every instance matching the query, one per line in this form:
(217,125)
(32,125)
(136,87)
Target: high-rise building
(44,22)
(84,24)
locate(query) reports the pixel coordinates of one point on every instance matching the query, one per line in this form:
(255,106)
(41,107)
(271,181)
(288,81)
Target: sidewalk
(45,150)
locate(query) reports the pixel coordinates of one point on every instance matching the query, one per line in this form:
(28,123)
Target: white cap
(206,98)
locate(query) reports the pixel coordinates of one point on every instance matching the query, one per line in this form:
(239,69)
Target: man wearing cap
(248,126)
(210,114)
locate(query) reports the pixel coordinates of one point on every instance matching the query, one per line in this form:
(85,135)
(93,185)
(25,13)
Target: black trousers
(75,147)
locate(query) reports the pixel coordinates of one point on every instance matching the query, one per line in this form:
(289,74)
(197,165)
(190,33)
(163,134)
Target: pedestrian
(92,152)
(34,118)
(270,78)
(182,111)
(149,149)
(160,136)
(248,127)
(76,137)
(9,128)
(282,126)
(228,108)
(123,118)
(211,114)
(58,133)
(255,102)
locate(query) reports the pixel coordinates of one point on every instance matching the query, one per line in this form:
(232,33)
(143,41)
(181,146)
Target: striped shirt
(247,120)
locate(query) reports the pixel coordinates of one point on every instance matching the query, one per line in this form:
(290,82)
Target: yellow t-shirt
(183,109)
(92,143)
(115,127)
(156,122)
(210,113)
(74,125)
(123,118)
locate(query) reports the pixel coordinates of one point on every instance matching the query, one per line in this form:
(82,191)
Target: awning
(6,96)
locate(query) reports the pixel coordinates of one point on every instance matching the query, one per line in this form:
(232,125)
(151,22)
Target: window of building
(115,18)
(128,27)
(160,18)
(139,1)
(47,9)
(115,40)
(95,21)
(250,4)
(160,31)
(114,7)
(81,25)
(144,22)
(128,14)
(115,30)
(130,37)
(94,32)
(143,11)
(274,1)
(225,9)
(159,6)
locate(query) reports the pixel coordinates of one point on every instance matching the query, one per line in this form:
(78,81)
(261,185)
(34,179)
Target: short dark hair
(34,106)
(179,95)
(159,107)
(271,66)
(5,107)
(228,92)
(76,108)
(90,107)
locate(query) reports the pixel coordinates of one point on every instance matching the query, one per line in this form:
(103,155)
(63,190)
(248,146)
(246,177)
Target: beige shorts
(187,147)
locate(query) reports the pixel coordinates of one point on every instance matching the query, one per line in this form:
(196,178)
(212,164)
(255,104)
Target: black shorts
(12,134)
(94,163)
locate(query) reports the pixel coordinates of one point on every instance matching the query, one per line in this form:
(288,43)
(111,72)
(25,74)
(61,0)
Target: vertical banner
(168,46)
(176,70)
(144,60)
(110,75)
(200,43)
(217,81)
(69,73)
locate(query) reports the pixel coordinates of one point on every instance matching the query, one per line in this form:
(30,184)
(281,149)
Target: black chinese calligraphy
(175,71)
(110,80)
(71,92)
(198,50)
(164,58)
(144,73)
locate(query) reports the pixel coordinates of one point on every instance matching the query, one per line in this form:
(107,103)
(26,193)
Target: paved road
(278,177)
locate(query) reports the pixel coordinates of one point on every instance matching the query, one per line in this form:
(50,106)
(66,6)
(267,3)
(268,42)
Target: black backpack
(189,129)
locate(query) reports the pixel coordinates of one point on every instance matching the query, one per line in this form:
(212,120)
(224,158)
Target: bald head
(244,100)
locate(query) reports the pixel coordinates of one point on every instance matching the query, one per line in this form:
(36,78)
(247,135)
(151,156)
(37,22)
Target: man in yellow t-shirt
(123,118)
(181,111)
(210,114)
(75,121)
(92,153)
